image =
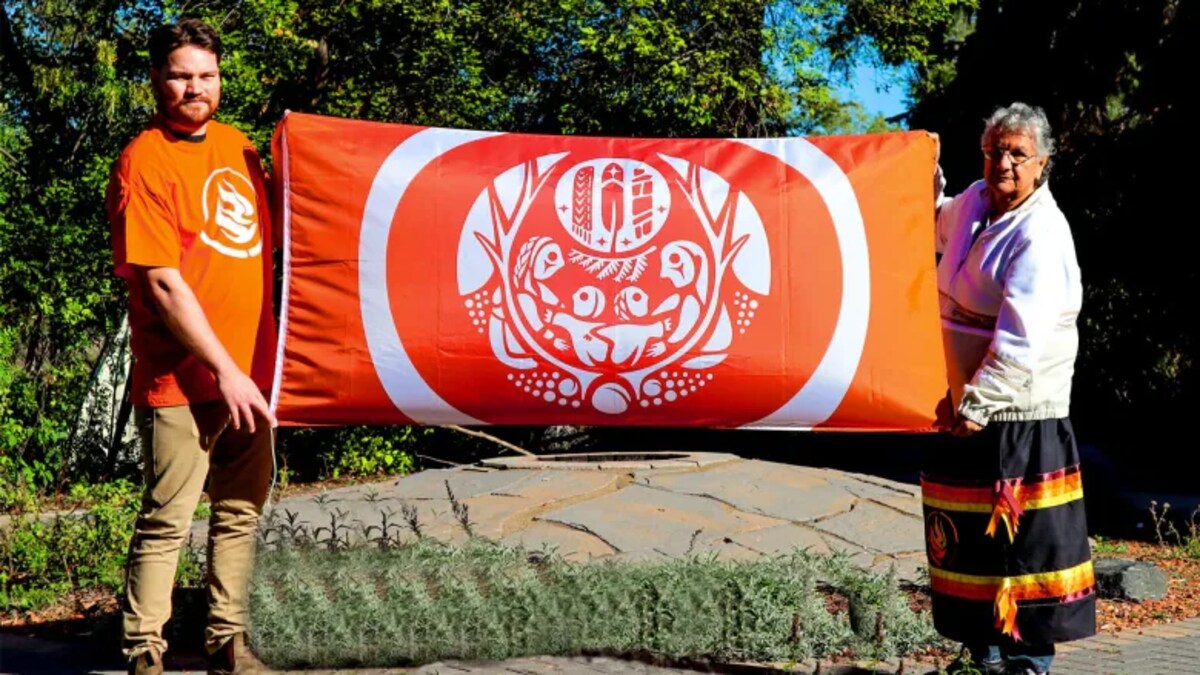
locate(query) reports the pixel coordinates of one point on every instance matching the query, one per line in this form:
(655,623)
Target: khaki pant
(180,446)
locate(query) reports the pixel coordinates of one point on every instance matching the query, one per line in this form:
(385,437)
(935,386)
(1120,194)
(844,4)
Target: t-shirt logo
(230,216)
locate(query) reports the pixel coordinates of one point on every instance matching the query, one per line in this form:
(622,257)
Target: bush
(880,618)
(314,454)
(43,557)
(395,604)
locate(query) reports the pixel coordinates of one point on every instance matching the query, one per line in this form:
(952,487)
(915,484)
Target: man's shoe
(233,657)
(147,663)
(960,667)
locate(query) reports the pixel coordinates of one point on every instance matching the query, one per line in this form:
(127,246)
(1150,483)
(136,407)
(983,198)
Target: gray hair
(1020,117)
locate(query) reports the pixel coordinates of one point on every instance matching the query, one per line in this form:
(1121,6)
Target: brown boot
(147,663)
(233,658)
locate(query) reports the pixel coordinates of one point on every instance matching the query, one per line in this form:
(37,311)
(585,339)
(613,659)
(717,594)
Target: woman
(1006,535)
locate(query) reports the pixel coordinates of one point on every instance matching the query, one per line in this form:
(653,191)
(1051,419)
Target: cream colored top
(1010,294)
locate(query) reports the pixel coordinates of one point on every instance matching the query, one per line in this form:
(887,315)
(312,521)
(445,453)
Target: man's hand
(243,399)
(186,320)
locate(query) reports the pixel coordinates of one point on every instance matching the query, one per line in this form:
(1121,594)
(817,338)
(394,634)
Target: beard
(192,112)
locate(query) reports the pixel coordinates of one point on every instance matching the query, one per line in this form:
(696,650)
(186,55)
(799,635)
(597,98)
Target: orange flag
(452,276)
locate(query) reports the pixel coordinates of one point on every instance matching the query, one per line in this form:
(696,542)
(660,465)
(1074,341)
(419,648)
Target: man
(191,236)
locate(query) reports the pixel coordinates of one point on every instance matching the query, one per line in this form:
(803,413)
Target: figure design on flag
(628,295)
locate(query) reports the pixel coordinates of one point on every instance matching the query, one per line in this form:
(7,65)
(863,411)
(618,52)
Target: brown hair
(169,37)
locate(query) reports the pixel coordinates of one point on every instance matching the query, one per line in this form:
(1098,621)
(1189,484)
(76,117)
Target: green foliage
(423,601)
(66,107)
(1180,540)
(351,451)
(1106,546)
(43,557)
(903,34)
(629,68)
(362,453)
(882,622)
(74,91)
(1108,74)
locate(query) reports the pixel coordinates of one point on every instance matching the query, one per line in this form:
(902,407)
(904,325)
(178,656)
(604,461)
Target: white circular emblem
(563,342)
(230,214)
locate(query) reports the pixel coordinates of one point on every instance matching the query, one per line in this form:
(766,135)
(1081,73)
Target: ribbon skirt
(1006,536)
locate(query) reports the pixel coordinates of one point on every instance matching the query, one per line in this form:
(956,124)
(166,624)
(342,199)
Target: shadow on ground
(92,642)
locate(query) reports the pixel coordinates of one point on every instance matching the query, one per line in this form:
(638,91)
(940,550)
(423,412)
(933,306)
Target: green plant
(878,611)
(964,665)
(392,600)
(43,557)
(462,512)
(412,519)
(284,474)
(203,511)
(313,454)
(424,601)
(1105,546)
(17,495)
(1181,544)
(365,453)
(191,571)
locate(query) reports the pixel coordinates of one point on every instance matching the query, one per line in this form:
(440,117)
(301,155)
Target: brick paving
(1167,649)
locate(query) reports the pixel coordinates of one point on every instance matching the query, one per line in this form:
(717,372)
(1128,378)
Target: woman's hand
(965,427)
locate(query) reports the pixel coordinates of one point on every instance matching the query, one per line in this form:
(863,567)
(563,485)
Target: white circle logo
(230,215)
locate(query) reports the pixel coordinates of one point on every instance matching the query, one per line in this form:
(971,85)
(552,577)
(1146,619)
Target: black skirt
(1006,535)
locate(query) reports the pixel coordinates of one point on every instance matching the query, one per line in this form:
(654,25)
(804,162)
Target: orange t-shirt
(200,206)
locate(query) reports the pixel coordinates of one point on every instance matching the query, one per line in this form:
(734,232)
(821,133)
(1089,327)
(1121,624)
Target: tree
(73,91)
(1111,76)
(65,97)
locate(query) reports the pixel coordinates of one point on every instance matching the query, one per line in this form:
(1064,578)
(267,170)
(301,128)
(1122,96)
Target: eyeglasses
(1017,158)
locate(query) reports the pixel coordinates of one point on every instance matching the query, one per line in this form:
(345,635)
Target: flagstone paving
(707,502)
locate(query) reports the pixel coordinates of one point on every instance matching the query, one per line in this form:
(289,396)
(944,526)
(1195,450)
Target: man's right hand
(185,318)
(243,398)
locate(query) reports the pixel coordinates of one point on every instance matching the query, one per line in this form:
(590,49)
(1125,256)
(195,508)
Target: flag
(447,276)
